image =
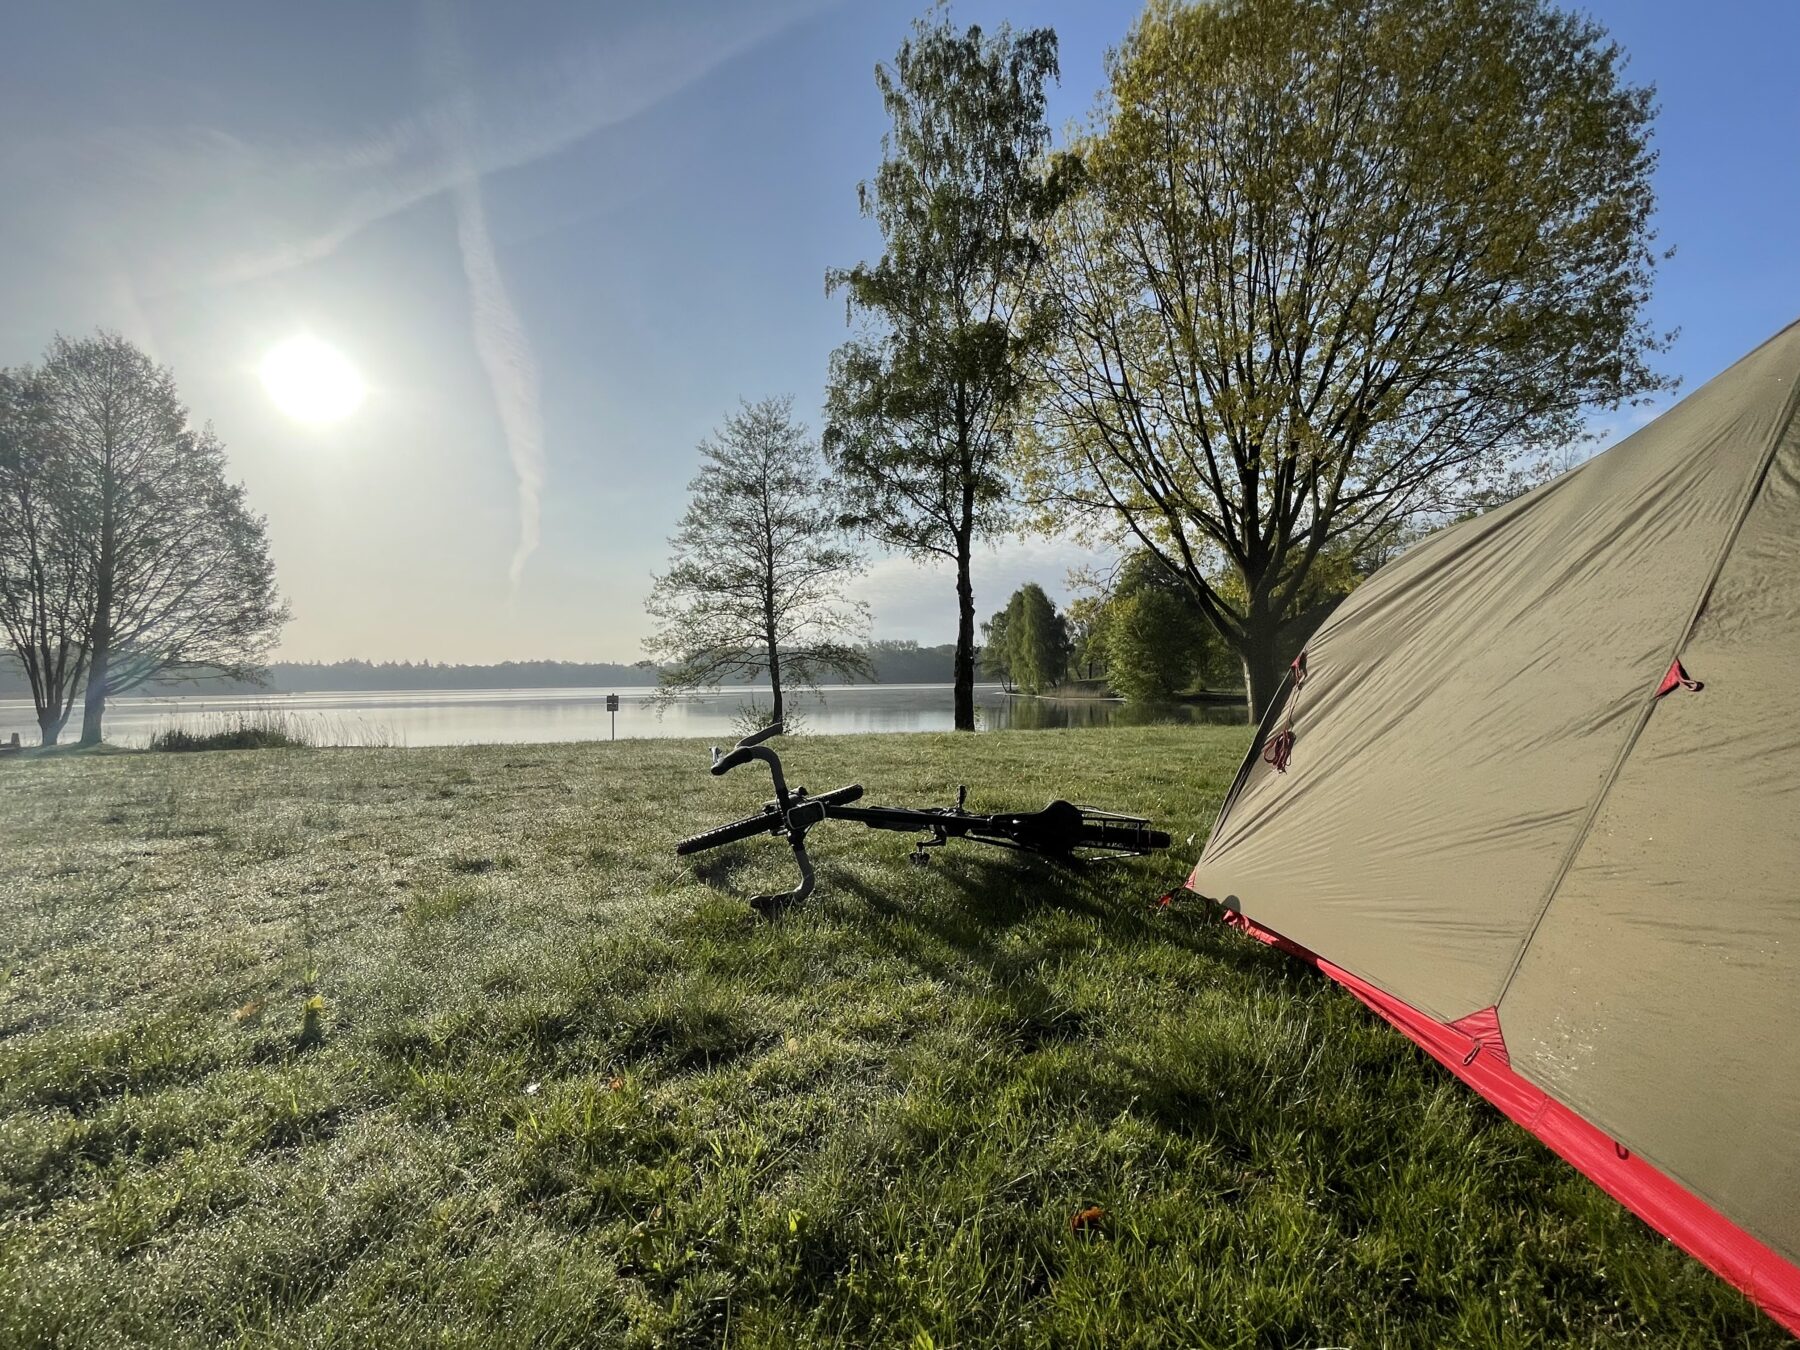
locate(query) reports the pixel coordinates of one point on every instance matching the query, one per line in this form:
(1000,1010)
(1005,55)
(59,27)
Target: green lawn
(406,1046)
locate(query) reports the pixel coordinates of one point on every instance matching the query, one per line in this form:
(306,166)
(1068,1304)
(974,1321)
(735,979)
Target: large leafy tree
(182,580)
(756,585)
(1150,646)
(922,406)
(1144,626)
(46,556)
(1336,266)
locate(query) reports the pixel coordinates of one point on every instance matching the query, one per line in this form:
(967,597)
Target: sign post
(612,706)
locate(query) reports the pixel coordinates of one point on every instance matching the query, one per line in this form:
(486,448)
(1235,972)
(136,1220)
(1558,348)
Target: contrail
(506,355)
(500,339)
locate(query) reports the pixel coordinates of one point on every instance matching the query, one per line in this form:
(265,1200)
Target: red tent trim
(1473,1050)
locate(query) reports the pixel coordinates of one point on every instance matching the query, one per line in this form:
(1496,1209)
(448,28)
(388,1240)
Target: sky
(559,242)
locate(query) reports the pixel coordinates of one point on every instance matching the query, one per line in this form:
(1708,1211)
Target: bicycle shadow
(962,938)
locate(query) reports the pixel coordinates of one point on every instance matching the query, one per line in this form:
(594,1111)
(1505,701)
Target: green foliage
(921,409)
(1150,645)
(591,1100)
(1027,642)
(1086,618)
(1143,626)
(756,586)
(996,649)
(1336,266)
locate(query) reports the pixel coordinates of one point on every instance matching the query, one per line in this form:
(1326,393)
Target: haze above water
(510,716)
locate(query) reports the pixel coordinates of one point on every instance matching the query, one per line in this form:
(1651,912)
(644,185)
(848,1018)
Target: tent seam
(1783,421)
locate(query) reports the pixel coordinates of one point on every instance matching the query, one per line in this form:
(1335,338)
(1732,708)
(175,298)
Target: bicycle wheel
(763,822)
(768,821)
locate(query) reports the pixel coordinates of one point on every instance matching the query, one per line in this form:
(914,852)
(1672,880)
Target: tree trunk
(93,704)
(776,713)
(50,725)
(1260,651)
(964,670)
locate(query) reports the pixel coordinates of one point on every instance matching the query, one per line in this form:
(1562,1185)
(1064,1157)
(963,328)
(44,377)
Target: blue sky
(560,241)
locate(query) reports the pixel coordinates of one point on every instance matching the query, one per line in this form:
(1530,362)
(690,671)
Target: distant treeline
(895,663)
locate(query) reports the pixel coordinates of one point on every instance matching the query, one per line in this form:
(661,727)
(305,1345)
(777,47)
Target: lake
(485,716)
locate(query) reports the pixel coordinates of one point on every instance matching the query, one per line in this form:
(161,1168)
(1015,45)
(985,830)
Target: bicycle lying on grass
(1061,831)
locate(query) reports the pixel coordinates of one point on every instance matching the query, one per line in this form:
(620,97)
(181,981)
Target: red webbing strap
(1678,678)
(1280,746)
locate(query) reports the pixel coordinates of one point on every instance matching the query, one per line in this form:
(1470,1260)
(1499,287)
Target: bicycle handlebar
(1061,830)
(744,751)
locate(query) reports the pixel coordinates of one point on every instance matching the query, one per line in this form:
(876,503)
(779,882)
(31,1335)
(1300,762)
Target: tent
(1532,792)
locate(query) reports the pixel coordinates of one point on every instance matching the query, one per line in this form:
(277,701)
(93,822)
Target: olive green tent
(1533,793)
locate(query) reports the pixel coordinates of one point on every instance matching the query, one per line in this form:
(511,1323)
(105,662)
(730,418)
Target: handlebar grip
(740,753)
(758,737)
(727,762)
(840,796)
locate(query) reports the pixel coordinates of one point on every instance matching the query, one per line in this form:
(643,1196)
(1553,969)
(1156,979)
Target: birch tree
(922,407)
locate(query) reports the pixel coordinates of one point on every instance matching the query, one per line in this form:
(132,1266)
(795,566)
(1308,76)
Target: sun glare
(311,381)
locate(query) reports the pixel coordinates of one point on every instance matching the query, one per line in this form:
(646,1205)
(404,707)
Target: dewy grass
(444,1046)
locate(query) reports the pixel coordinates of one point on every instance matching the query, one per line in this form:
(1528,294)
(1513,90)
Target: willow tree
(756,583)
(1335,266)
(1028,641)
(922,408)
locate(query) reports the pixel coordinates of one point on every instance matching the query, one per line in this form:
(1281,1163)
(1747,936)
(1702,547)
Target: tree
(1036,639)
(996,650)
(921,410)
(46,572)
(1187,650)
(1027,643)
(182,579)
(1336,266)
(1086,616)
(756,585)
(1149,654)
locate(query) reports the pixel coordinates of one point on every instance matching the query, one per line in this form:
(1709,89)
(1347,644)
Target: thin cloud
(516,117)
(511,367)
(500,339)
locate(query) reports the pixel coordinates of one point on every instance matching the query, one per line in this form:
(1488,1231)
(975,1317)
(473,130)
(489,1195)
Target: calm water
(459,717)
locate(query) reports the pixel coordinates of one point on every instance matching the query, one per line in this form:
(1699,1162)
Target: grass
(395,1047)
(248,730)
(266,729)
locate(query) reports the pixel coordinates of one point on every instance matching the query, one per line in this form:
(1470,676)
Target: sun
(311,381)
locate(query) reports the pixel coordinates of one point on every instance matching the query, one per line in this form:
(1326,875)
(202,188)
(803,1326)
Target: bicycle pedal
(919,859)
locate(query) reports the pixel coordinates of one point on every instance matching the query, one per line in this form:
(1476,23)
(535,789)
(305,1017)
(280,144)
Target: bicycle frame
(1061,831)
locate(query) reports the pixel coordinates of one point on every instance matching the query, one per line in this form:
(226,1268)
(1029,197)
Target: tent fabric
(1495,800)
(1473,1050)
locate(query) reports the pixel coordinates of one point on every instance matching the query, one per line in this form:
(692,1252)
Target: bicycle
(1061,831)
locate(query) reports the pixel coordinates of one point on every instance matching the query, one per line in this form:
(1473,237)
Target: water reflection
(487,716)
(1016,713)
